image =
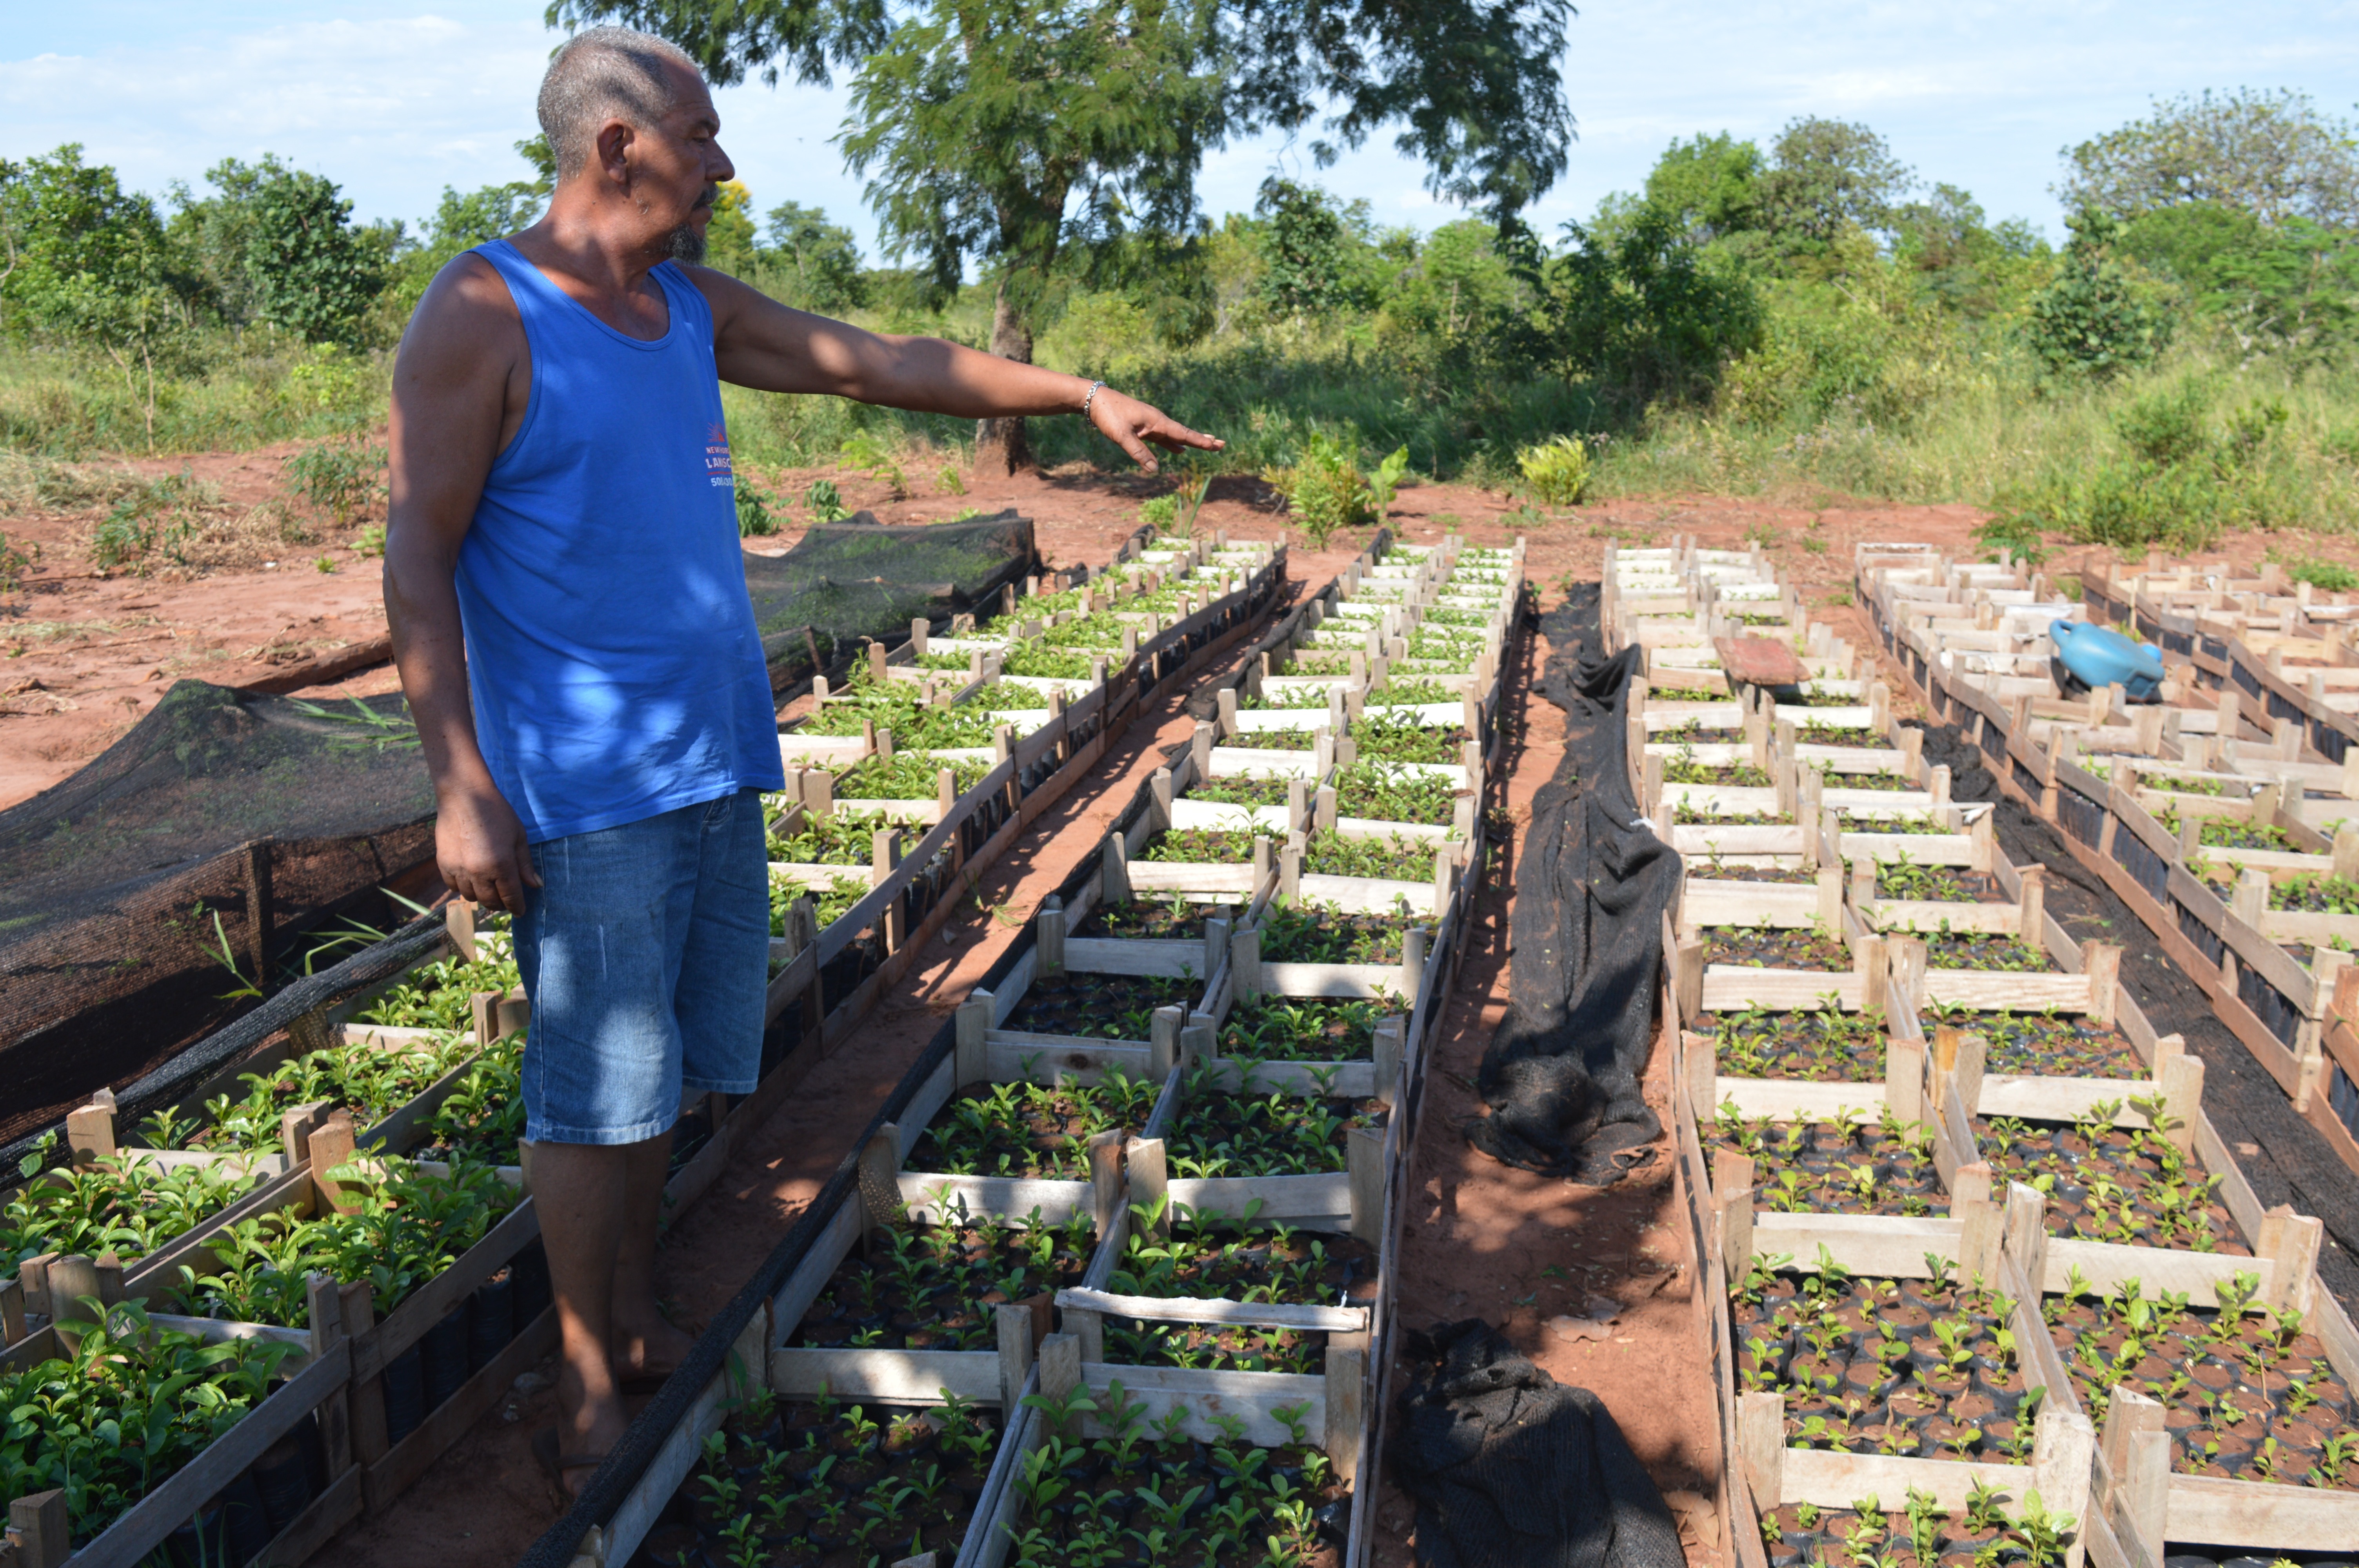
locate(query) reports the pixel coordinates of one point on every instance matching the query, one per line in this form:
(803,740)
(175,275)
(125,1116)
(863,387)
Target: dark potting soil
(1738,775)
(2316,895)
(2226,833)
(1775,947)
(1908,1368)
(932,1286)
(1293,1267)
(2112,1184)
(1316,933)
(1686,816)
(1159,917)
(1240,791)
(803,1485)
(1149,1494)
(1101,1007)
(1392,858)
(2054,1045)
(1030,1130)
(1302,1029)
(2249,1398)
(1798,1535)
(1824,1045)
(1712,871)
(1201,845)
(1825,1167)
(1222,1133)
(1936,884)
(1985,950)
(1830,779)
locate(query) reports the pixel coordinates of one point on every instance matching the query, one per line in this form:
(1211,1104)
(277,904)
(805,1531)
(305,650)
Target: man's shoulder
(467,294)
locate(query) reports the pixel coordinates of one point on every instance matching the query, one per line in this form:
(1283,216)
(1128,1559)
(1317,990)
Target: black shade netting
(1561,1074)
(846,581)
(226,829)
(1511,1469)
(129,892)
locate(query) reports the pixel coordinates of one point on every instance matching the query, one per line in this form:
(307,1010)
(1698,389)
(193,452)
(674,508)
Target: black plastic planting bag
(1591,882)
(1511,1469)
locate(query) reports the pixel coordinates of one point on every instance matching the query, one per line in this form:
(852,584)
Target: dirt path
(1487,1241)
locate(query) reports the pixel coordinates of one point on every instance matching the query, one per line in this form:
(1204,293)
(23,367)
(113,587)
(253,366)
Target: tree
(2092,321)
(2296,282)
(1645,315)
(1302,238)
(88,266)
(1003,133)
(729,242)
(2272,155)
(1710,186)
(1827,176)
(824,257)
(311,270)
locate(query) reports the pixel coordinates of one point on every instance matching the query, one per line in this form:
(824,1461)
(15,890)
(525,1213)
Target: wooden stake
(332,1144)
(1363,1163)
(1014,1322)
(1761,1444)
(1151,1186)
(1347,1381)
(972,1028)
(1113,869)
(1163,1041)
(1105,1178)
(39,1525)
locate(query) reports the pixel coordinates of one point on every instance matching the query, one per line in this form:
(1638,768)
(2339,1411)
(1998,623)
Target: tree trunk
(1000,446)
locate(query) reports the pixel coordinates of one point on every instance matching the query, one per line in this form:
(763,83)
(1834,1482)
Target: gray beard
(684,244)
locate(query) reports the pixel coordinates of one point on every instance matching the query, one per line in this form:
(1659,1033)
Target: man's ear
(615,139)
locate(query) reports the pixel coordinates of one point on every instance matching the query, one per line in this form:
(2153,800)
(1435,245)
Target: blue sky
(393,99)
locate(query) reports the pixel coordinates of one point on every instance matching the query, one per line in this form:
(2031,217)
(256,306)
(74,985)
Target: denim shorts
(646,952)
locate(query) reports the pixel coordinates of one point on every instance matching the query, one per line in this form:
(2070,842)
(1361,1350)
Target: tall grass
(1972,425)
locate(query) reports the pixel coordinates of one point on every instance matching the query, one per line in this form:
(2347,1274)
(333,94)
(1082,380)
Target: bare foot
(646,1344)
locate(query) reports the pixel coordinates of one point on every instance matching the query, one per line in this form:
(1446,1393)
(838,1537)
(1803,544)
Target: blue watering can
(2095,657)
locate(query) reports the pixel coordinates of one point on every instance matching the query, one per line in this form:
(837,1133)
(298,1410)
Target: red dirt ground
(83,654)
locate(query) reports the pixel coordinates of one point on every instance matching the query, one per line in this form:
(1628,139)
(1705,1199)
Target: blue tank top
(611,646)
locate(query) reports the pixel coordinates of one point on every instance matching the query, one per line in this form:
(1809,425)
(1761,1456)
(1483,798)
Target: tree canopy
(2271,154)
(1008,133)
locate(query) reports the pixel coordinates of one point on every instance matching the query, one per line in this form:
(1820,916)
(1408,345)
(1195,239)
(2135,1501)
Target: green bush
(338,477)
(1556,472)
(826,502)
(2331,576)
(754,519)
(1161,513)
(1323,487)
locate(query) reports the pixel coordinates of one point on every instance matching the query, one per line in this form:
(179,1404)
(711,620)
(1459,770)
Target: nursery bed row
(1167,1127)
(378,1144)
(1959,1210)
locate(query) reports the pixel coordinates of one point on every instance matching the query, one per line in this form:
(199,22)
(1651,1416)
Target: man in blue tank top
(568,603)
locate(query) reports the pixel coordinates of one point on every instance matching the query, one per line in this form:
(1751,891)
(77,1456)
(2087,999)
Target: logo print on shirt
(716,456)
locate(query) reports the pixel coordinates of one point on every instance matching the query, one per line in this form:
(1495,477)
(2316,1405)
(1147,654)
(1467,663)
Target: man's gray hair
(606,73)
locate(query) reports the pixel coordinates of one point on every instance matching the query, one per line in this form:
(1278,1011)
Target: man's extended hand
(1130,424)
(480,848)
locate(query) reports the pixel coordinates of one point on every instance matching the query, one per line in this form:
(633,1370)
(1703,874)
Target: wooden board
(1247,1315)
(1759,660)
(887,1376)
(2256,1514)
(1833,1480)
